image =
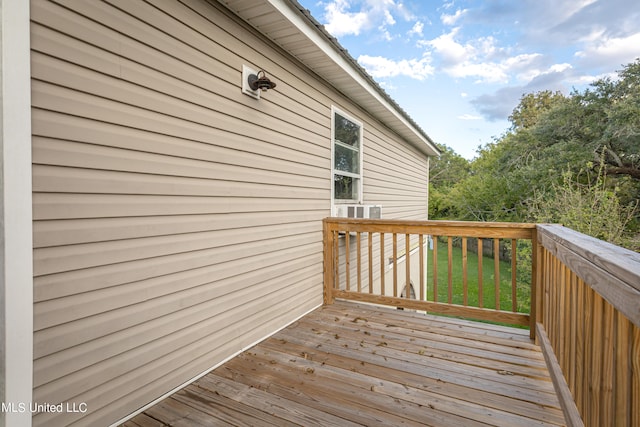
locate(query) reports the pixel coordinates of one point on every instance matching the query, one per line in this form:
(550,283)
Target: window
(347,158)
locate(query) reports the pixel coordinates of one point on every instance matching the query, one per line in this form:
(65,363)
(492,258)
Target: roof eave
(278,19)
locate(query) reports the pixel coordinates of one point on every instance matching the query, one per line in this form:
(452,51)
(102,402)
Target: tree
(531,107)
(604,119)
(593,208)
(592,137)
(507,170)
(444,172)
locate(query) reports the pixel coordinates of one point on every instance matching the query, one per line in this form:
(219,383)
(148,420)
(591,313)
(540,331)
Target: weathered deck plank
(352,364)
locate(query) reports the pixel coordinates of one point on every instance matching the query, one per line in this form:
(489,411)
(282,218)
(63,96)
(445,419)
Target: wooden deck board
(353,364)
(143,420)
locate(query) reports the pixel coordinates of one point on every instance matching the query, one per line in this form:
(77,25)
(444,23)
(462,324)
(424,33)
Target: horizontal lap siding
(176,221)
(170,232)
(395,176)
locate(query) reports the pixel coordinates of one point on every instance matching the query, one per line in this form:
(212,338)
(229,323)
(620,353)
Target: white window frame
(359,176)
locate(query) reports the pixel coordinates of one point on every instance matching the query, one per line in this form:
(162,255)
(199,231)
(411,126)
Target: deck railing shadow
(584,297)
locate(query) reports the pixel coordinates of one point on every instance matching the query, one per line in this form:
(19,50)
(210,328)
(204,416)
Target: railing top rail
(439,228)
(465,224)
(612,271)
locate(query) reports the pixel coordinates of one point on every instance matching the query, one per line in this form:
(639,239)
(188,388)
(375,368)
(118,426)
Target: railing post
(328,267)
(535,305)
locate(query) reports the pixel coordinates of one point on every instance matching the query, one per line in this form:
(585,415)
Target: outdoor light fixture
(260,81)
(254,82)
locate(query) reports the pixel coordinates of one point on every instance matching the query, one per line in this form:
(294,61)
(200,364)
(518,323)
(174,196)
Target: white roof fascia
(328,49)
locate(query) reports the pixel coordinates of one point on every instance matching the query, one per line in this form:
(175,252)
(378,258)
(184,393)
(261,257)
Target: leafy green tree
(553,136)
(484,195)
(506,170)
(593,208)
(444,172)
(603,119)
(527,113)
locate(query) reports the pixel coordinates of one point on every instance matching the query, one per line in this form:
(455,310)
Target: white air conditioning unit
(359,211)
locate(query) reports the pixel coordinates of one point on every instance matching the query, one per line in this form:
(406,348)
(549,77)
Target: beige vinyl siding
(395,176)
(169,231)
(176,221)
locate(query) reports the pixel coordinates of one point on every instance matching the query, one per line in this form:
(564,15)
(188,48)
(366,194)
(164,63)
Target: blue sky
(460,67)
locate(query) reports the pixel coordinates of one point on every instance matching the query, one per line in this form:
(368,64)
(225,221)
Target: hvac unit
(359,211)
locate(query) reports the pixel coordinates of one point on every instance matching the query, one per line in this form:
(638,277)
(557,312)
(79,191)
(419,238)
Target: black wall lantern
(260,81)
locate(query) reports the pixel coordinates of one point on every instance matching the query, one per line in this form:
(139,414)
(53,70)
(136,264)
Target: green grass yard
(488,286)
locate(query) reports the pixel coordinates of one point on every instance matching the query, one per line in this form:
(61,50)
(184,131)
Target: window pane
(346,159)
(347,132)
(345,187)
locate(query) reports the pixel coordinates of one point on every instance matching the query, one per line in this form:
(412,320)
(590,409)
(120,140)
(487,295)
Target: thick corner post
(536,270)
(16,249)
(328,245)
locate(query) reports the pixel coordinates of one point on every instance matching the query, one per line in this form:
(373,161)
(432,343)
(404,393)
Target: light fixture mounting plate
(246,89)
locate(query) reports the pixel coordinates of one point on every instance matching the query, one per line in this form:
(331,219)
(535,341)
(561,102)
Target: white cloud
(451,51)
(416,29)
(481,58)
(559,68)
(498,105)
(448,5)
(452,19)
(340,22)
(388,18)
(380,67)
(345,17)
(615,50)
(469,117)
(389,87)
(484,60)
(526,67)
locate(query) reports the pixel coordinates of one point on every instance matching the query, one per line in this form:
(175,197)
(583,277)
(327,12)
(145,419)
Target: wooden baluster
(359,262)
(608,374)
(496,271)
(562,320)
(407,264)
(434,239)
(347,254)
(395,265)
(450,269)
(514,276)
(336,260)
(581,332)
(622,365)
(596,361)
(422,272)
(370,253)
(465,292)
(635,377)
(588,350)
(382,264)
(480,259)
(570,374)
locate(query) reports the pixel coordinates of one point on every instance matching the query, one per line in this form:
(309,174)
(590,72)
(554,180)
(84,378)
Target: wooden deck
(352,364)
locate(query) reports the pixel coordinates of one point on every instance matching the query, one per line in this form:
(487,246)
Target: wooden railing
(385,262)
(588,324)
(584,293)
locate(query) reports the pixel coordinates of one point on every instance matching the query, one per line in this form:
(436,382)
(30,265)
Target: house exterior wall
(176,220)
